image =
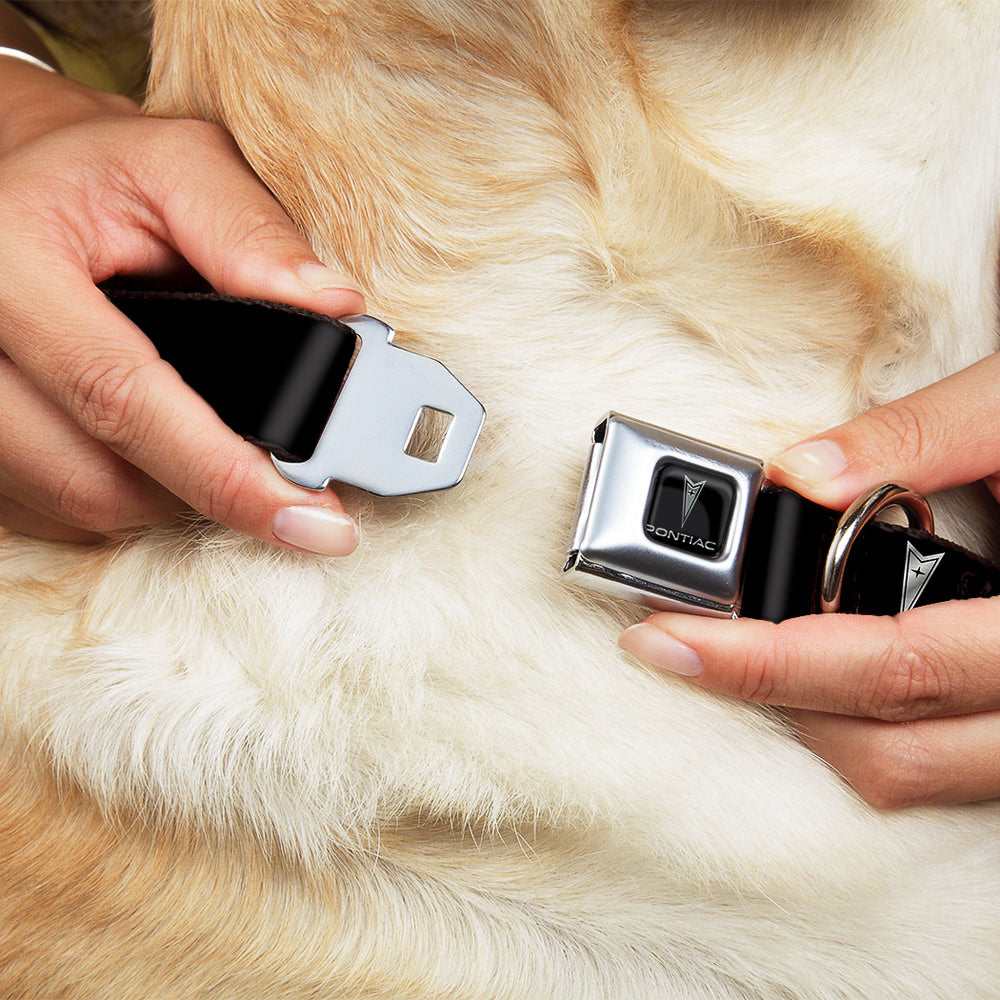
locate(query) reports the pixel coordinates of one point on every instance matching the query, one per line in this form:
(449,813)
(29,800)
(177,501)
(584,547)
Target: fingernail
(318,278)
(316,530)
(813,463)
(661,650)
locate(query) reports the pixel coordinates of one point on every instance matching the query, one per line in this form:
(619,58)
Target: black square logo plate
(689,508)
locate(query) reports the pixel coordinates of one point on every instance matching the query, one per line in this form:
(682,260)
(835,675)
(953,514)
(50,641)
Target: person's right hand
(97,433)
(905,707)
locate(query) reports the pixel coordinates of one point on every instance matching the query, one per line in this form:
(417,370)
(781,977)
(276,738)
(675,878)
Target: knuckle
(94,104)
(901,429)
(898,770)
(908,682)
(218,493)
(105,398)
(178,141)
(120,104)
(97,503)
(257,228)
(190,132)
(762,669)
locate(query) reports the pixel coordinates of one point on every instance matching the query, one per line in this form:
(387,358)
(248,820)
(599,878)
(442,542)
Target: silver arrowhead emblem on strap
(691,493)
(916,576)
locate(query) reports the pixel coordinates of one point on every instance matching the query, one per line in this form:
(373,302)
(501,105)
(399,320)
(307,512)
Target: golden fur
(426,771)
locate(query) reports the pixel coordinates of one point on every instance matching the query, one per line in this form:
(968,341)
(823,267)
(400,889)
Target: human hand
(906,708)
(97,434)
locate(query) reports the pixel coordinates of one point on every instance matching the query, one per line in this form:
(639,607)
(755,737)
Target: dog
(426,770)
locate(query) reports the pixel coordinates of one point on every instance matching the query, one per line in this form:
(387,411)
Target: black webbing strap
(272,372)
(890,568)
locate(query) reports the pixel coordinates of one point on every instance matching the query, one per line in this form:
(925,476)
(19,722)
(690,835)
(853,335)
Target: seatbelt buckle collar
(681,525)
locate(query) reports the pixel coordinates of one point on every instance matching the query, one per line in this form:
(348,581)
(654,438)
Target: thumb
(228,226)
(945,435)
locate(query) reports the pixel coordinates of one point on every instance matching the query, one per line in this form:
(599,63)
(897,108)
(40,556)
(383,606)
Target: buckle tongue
(364,441)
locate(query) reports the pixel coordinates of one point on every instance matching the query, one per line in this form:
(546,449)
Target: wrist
(35,101)
(17,32)
(24,87)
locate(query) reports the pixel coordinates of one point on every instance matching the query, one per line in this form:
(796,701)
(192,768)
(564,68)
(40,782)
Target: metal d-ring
(918,514)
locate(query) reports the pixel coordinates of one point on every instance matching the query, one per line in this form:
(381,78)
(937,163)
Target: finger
(47,463)
(16,517)
(941,659)
(944,435)
(101,370)
(893,765)
(226,223)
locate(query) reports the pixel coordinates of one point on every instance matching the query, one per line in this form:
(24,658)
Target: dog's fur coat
(426,770)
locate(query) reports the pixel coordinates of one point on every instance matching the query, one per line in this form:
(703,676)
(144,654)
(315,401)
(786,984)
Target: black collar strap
(889,569)
(682,525)
(329,399)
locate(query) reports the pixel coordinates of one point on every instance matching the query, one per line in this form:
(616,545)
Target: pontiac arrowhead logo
(919,570)
(691,493)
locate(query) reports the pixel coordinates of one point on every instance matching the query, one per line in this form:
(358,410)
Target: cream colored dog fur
(426,770)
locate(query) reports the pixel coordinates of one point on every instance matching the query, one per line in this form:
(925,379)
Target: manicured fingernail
(318,278)
(316,530)
(661,650)
(813,463)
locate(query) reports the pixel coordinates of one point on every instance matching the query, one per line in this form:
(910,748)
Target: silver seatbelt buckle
(366,440)
(663,519)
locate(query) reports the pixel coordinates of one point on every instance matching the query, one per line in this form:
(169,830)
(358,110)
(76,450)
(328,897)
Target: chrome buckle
(373,419)
(663,519)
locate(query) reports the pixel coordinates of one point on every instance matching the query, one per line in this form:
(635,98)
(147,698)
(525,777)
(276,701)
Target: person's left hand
(98,434)
(906,708)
